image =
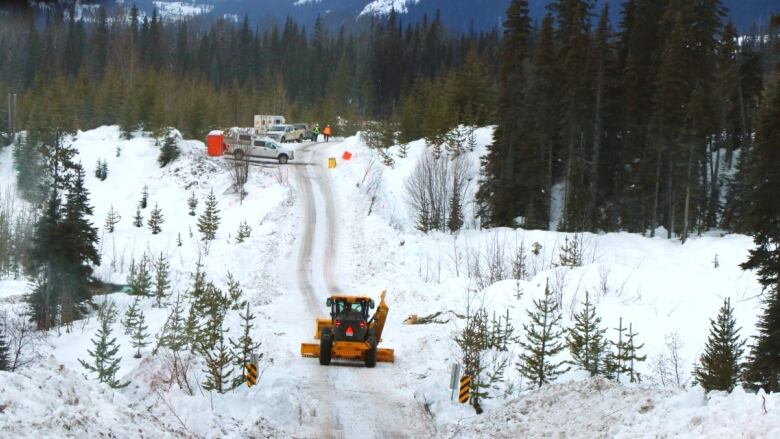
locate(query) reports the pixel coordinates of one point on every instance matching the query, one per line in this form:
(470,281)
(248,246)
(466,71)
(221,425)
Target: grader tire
(371,353)
(326,347)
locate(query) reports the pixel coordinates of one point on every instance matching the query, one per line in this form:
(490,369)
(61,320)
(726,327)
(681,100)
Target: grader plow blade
(348,350)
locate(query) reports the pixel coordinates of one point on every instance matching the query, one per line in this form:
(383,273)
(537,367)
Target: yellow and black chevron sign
(465,388)
(251,374)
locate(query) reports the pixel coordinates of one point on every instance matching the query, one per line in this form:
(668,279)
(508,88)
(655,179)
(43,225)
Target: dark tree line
(630,128)
(145,72)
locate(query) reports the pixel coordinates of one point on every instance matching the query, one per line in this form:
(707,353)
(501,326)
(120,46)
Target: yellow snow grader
(349,334)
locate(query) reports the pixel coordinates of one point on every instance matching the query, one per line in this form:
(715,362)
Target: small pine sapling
(103,170)
(243,348)
(244,232)
(173,335)
(131,315)
(623,358)
(208,222)
(155,220)
(144,197)
(105,362)
(570,253)
(178,240)
(543,342)
(118,151)
(455,221)
(139,335)
(162,282)
(142,280)
(235,293)
(192,203)
(719,367)
(218,363)
(138,219)
(169,151)
(586,340)
(112,219)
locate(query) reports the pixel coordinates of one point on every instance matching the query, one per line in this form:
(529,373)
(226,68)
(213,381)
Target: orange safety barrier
(347,155)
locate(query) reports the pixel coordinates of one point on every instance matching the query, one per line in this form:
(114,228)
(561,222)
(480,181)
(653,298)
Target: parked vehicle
(264,121)
(245,145)
(286,133)
(308,134)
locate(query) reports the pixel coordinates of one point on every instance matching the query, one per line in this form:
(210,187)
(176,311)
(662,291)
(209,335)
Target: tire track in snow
(320,383)
(362,400)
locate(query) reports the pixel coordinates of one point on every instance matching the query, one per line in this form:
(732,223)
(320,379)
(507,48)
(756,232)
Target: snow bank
(54,401)
(601,408)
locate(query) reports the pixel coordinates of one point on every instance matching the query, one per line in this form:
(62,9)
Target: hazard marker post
(465,389)
(251,371)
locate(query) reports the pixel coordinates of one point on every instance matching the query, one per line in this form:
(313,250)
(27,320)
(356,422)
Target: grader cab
(349,333)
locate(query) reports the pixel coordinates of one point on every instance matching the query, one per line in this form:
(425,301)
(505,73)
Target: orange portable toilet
(215,143)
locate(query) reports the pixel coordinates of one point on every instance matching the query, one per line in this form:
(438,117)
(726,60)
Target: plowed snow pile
(601,408)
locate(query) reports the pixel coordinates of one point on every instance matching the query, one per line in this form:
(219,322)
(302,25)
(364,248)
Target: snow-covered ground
(658,285)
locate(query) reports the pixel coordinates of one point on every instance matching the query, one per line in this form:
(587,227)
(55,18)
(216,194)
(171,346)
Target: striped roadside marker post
(465,388)
(251,374)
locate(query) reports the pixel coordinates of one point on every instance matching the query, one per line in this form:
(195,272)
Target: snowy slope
(384,7)
(658,285)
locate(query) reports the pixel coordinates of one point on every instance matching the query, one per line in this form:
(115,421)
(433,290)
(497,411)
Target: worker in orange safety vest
(327,132)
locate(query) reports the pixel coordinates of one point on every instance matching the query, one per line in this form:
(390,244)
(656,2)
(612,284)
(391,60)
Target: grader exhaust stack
(349,334)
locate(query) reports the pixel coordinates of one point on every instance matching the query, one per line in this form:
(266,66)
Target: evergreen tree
(244,232)
(208,222)
(98,171)
(162,282)
(131,316)
(169,151)
(106,363)
(144,197)
(141,284)
(763,363)
(570,253)
(243,348)
(104,170)
(139,335)
(155,220)
(235,293)
(173,335)
(192,203)
(543,342)
(455,221)
(500,197)
(623,359)
(214,306)
(178,240)
(586,340)
(112,219)
(138,219)
(218,364)
(719,367)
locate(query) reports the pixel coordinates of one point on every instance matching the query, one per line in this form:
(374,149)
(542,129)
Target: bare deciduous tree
(23,340)
(430,186)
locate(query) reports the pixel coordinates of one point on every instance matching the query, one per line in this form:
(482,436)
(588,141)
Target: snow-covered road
(354,401)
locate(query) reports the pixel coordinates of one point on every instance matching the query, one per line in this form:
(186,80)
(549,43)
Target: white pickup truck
(260,147)
(287,133)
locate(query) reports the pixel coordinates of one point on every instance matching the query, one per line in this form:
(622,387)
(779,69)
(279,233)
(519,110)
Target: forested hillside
(624,126)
